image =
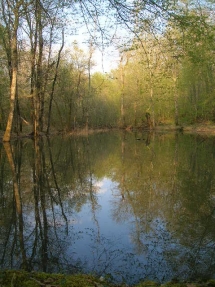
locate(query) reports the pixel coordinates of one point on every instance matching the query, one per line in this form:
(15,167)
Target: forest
(165,75)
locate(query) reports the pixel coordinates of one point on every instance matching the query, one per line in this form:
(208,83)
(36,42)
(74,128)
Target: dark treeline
(165,74)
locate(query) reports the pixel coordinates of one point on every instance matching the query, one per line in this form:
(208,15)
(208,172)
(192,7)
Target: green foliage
(148,284)
(37,279)
(167,74)
(33,279)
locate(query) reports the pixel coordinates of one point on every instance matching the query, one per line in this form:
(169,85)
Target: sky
(106,56)
(105,59)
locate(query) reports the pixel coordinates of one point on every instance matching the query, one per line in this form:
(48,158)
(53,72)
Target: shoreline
(201,129)
(21,278)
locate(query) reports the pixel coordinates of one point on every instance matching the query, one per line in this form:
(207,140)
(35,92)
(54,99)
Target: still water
(128,206)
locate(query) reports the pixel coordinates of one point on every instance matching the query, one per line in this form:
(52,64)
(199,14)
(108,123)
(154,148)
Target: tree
(4,81)
(35,26)
(191,38)
(42,26)
(38,22)
(11,16)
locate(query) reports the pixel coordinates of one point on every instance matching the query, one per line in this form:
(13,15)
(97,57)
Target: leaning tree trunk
(13,86)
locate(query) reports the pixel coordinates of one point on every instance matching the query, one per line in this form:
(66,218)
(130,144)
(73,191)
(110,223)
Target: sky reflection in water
(111,205)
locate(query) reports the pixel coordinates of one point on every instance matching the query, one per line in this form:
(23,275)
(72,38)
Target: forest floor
(21,278)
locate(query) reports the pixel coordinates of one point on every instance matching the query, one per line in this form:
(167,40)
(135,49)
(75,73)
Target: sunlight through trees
(165,76)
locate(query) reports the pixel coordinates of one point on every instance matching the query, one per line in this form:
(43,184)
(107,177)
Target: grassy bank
(12,278)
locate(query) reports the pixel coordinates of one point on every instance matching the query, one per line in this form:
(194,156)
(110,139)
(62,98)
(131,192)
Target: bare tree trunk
(152,120)
(13,85)
(53,83)
(91,50)
(7,134)
(149,121)
(176,108)
(10,15)
(175,96)
(122,108)
(37,95)
(18,120)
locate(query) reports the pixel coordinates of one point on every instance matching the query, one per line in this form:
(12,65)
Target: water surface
(128,206)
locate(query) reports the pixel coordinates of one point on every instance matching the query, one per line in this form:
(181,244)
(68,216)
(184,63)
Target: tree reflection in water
(109,204)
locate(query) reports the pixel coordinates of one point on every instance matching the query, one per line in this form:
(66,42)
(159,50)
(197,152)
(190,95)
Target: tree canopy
(165,75)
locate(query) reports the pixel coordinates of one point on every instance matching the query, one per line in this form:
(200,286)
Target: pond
(123,205)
